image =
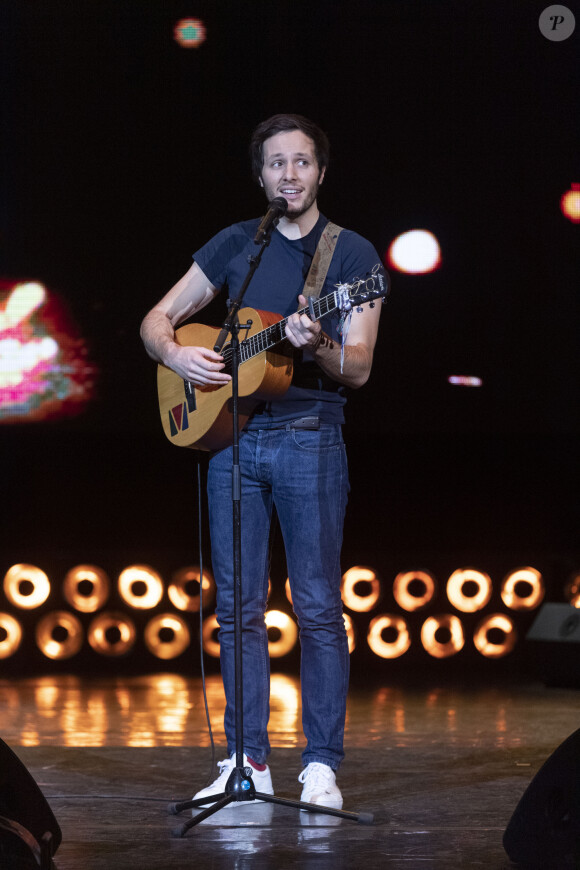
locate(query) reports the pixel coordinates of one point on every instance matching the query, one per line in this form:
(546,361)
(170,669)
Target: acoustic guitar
(200,417)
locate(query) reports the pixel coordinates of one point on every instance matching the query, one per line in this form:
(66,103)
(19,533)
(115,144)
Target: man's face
(291,170)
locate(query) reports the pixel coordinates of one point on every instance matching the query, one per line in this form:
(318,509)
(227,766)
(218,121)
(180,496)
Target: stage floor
(441,768)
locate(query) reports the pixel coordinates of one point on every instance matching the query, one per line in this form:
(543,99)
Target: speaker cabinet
(544,831)
(23,804)
(554,643)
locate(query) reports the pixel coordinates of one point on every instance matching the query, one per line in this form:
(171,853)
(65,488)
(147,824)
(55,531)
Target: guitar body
(201,417)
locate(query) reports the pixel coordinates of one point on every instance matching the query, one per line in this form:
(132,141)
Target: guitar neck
(276,333)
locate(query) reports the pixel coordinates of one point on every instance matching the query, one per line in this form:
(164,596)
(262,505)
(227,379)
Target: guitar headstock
(361,290)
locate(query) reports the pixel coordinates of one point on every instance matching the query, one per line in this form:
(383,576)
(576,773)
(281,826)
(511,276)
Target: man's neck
(300,226)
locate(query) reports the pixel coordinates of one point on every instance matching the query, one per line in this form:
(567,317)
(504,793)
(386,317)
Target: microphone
(276,209)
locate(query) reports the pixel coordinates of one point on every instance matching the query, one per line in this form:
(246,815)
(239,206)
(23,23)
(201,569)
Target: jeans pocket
(327,438)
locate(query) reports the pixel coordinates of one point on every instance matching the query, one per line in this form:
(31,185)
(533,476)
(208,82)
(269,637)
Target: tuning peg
(359,309)
(371,304)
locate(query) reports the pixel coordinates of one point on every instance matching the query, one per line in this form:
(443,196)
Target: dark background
(123,153)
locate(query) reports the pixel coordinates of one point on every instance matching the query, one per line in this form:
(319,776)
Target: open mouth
(290,192)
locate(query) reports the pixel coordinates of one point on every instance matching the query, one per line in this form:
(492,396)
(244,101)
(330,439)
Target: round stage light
(523,589)
(26,586)
(388,636)
(287,590)
(572,590)
(282,633)
(442,636)
(414,590)
(570,204)
(360,589)
(495,635)
(112,634)
(167,635)
(350,632)
(190,32)
(10,635)
(59,635)
(140,587)
(209,636)
(469,590)
(86,588)
(184,588)
(415,252)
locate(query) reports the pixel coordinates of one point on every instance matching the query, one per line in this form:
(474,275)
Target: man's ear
(261,183)
(322,174)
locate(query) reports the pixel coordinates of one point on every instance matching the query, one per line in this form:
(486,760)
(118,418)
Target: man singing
(292,456)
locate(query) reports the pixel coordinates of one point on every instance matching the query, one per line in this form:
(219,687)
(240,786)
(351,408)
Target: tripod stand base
(241,789)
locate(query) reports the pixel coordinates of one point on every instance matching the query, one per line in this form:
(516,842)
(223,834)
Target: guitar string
(273,334)
(257,343)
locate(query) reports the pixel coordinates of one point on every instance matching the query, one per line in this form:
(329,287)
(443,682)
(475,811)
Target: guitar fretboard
(275,333)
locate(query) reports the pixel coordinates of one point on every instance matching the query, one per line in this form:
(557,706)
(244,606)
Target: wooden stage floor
(441,768)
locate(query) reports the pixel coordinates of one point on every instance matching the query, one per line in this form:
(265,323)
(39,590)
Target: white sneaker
(320,786)
(261,779)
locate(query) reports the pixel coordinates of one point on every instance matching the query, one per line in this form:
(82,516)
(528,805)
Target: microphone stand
(239,786)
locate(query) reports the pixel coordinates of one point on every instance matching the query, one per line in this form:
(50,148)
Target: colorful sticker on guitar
(177,412)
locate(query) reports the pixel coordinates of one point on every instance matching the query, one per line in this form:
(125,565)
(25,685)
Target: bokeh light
(350,632)
(442,636)
(570,204)
(360,589)
(190,32)
(469,590)
(10,635)
(523,589)
(112,634)
(572,589)
(59,635)
(388,636)
(209,636)
(167,635)
(415,252)
(495,635)
(414,590)
(141,587)
(26,586)
(86,588)
(184,589)
(44,368)
(282,633)
(465,380)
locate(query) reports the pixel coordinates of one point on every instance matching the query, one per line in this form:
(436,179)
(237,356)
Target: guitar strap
(321,261)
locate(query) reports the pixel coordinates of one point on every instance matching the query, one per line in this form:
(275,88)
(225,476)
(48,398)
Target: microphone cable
(201,651)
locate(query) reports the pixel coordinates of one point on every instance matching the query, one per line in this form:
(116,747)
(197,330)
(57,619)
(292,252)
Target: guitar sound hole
(228,354)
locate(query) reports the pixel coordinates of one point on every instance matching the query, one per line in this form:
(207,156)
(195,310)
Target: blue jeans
(303,473)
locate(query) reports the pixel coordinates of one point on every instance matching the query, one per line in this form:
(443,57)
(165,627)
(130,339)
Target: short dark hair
(283,124)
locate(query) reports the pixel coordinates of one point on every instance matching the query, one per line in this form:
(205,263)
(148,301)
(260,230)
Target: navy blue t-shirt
(275,286)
